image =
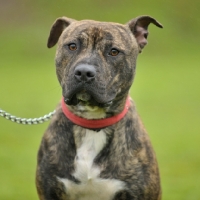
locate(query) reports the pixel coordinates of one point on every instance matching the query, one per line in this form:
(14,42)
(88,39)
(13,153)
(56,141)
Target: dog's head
(95,61)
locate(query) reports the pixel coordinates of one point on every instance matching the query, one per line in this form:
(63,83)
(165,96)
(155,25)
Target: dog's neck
(95,123)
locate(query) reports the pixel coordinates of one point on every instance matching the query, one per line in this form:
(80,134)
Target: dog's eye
(72,47)
(114,52)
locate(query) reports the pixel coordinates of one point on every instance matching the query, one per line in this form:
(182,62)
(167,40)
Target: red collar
(94,123)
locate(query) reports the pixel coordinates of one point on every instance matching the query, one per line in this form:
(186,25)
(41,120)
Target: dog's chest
(91,186)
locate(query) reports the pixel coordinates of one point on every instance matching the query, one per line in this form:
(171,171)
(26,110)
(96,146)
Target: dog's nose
(85,73)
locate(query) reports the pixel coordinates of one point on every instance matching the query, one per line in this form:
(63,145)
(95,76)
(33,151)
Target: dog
(96,147)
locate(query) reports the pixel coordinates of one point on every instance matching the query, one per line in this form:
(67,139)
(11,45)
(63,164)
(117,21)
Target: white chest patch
(92,187)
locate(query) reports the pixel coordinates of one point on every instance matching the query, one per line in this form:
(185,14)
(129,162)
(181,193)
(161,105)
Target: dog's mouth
(87,96)
(85,99)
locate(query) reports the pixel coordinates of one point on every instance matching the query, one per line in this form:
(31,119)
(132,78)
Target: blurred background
(166,88)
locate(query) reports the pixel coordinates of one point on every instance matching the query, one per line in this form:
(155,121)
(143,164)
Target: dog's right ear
(56,30)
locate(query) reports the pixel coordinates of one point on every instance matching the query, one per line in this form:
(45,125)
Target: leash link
(26,121)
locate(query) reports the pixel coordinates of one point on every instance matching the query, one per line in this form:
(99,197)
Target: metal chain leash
(26,121)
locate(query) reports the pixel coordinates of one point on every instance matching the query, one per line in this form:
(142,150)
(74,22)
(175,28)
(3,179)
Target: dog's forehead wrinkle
(102,33)
(98,44)
(87,28)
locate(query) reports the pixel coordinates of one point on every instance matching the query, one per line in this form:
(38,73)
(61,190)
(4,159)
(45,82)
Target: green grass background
(166,88)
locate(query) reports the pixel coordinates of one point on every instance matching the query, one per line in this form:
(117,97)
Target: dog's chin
(85,99)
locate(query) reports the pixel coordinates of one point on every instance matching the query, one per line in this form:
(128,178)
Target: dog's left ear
(56,30)
(139,28)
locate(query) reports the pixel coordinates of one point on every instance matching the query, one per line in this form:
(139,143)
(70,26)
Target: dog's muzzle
(86,89)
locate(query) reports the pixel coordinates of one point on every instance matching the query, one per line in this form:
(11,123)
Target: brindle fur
(128,155)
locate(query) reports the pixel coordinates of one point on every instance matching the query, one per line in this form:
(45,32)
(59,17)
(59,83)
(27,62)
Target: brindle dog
(95,65)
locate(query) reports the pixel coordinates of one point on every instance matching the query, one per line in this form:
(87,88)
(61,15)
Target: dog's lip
(93,102)
(94,97)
